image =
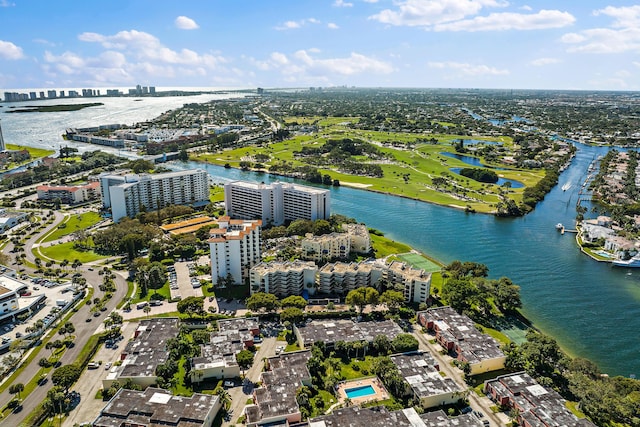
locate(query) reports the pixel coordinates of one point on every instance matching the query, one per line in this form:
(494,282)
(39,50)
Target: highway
(83,332)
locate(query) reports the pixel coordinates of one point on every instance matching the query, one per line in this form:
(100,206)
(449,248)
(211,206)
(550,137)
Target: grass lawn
(328,399)
(216,194)
(363,368)
(35,152)
(410,172)
(236,292)
(164,291)
(292,347)
(384,246)
(180,389)
(72,224)
(67,251)
(573,407)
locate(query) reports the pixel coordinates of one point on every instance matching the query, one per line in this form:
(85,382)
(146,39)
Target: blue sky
(535,44)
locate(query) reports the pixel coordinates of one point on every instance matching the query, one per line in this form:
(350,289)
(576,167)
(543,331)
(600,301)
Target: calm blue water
(514,183)
(592,308)
(473,161)
(466,142)
(362,391)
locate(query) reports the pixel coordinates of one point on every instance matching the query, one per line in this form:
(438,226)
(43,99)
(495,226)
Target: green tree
(362,296)
(294,301)
(321,226)
(506,294)
(262,300)
(459,293)
(65,376)
(291,314)
(191,305)
(404,343)
(382,345)
(244,359)
(392,298)
(16,389)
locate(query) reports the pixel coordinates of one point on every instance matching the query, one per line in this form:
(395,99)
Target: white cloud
(625,17)
(342,3)
(146,47)
(622,36)
(332,26)
(185,23)
(637,64)
(292,25)
(527,8)
(469,70)
(511,21)
(430,12)
(44,42)
(9,50)
(305,66)
(130,56)
(370,1)
(6,3)
(541,62)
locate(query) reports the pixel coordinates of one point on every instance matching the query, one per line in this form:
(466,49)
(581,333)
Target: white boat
(631,262)
(566,186)
(559,226)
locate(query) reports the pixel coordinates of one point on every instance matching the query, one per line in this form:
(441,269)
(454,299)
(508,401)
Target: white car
(107,365)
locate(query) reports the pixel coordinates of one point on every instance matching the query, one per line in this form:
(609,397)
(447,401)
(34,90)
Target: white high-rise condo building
(128,195)
(276,203)
(235,248)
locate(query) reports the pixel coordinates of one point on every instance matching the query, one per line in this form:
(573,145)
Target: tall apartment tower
(128,195)
(2,146)
(276,203)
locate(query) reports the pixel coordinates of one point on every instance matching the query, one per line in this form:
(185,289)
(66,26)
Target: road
(241,393)
(83,332)
(481,404)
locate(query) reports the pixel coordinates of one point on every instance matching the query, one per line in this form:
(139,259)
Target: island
(54,108)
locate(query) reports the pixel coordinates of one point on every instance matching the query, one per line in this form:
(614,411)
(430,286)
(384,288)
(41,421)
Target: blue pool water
(365,390)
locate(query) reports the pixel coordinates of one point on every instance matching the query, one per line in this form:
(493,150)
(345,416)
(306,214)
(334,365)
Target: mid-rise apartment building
(337,279)
(235,248)
(326,247)
(70,194)
(284,278)
(276,203)
(128,195)
(340,278)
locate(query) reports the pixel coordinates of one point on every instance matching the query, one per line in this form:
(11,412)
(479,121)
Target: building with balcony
(128,195)
(235,248)
(415,283)
(277,202)
(339,278)
(284,278)
(326,247)
(69,194)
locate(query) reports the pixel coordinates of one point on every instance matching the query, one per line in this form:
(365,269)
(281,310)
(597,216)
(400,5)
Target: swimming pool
(362,391)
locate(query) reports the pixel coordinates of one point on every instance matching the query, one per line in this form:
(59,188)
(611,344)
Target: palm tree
(225,398)
(147,309)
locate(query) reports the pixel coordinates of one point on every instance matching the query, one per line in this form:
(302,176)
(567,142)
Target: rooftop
(277,396)
(537,405)
(156,406)
(148,349)
(460,329)
(379,416)
(422,373)
(331,331)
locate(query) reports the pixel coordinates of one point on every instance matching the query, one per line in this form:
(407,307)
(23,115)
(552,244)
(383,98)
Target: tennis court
(513,328)
(418,261)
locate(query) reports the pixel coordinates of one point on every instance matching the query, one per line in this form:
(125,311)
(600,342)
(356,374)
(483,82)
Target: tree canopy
(362,296)
(262,301)
(65,376)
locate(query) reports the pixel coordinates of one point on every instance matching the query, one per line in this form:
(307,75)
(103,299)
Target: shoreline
(355,186)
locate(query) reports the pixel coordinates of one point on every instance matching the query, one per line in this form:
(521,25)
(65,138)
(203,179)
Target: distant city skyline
(585,45)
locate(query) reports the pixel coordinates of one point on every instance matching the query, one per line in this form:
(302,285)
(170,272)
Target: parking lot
(181,281)
(57,296)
